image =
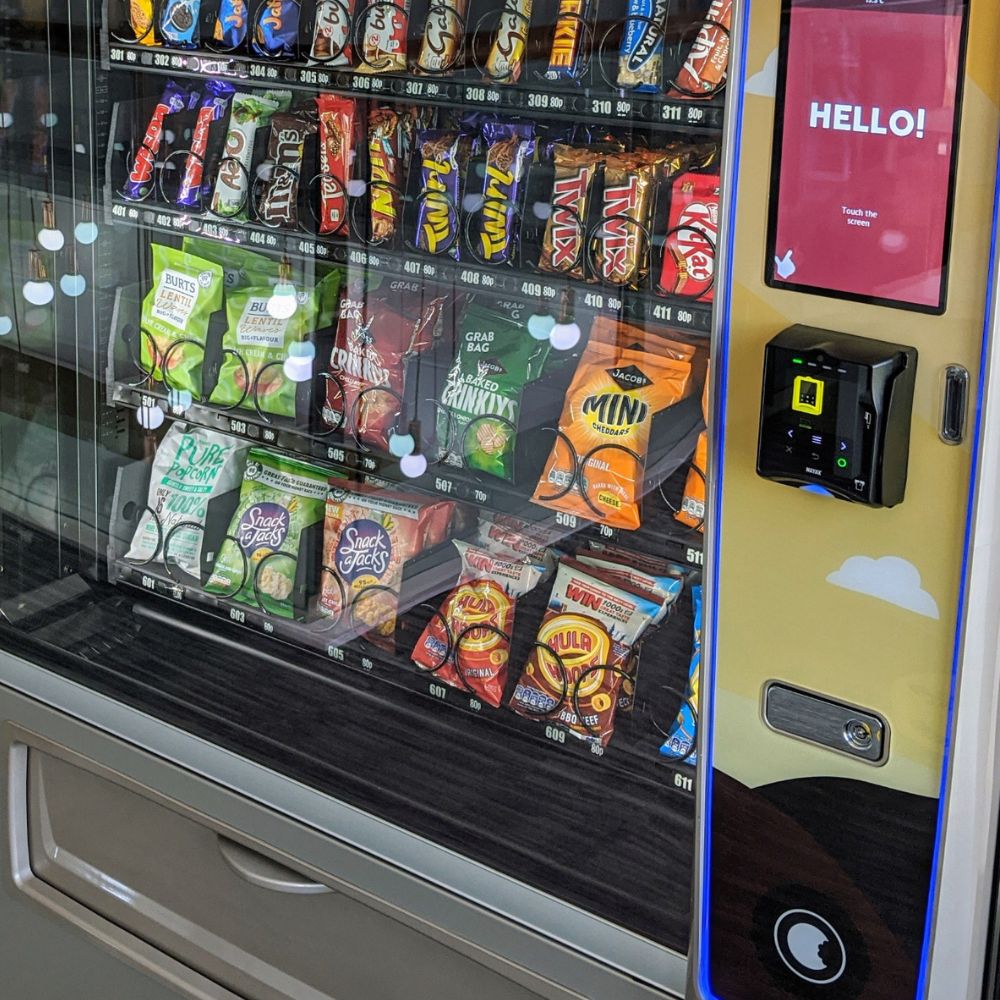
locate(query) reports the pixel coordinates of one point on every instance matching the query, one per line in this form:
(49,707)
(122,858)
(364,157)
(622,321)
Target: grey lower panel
(503,924)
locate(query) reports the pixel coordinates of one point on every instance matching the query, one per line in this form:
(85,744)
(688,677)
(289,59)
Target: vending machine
(496,498)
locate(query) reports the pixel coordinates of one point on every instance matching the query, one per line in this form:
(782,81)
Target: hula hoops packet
(252,372)
(280,498)
(175,315)
(681,737)
(481,400)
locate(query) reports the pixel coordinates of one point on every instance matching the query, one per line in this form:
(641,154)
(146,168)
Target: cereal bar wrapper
(682,735)
(368,534)
(192,465)
(186,291)
(640,57)
(467,644)
(704,71)
(257,563)
(597,464)
(590,627)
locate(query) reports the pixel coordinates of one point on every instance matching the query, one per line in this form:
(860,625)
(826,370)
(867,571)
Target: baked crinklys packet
(368,534)
(596,468)
(580,661)
(682,735)
(175,315)
(257,344)
(280,498)
(191,466)
(467,643)
(481,399)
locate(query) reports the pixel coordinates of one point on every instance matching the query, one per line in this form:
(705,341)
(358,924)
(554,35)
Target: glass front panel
(353,361)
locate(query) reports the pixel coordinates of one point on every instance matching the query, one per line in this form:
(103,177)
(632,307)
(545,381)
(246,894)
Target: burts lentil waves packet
(481,400)
(279,499)
(467,643)
(186,291)
(592,622)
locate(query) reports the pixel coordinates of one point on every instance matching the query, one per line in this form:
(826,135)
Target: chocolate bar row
(678,47)
(579,202)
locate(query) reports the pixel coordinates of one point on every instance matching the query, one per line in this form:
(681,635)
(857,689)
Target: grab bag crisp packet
(580,659)
(191,466)
(279,499)
(597,464)
(175,313)
(467,644)
(681,738)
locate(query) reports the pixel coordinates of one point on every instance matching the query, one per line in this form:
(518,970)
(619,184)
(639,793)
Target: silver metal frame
(463,898)
(963,902)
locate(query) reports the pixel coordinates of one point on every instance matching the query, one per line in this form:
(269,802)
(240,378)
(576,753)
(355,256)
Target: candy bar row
(584,426)
(679,49)
(580,669)
(580,202)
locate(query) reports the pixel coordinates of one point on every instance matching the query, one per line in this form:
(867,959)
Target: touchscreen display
(865,142)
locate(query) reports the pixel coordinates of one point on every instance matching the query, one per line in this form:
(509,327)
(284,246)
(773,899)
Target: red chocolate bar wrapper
(336,143)
(692,236)
(140,178)
(383,47)
(704,70)
(212,108)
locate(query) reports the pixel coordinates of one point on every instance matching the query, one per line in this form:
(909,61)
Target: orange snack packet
(597,463)
(692,512)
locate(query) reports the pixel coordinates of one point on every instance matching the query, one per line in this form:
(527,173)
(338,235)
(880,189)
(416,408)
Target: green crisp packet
(186,291)
(496,359)
(280,498)
(260,342)
(241,268)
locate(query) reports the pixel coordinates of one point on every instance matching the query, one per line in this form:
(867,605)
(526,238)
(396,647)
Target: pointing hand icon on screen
(784,266)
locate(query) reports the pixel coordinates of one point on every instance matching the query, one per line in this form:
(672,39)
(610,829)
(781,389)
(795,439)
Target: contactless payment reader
(835,414)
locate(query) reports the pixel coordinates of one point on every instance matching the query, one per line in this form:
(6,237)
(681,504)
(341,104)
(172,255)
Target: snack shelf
(632,748)
(591,104)
(673,542)
(635,306)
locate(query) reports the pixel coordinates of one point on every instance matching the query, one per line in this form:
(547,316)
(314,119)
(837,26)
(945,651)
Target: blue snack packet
(680,742)
(276,33)
(231,24)
(640,57)
(180,25)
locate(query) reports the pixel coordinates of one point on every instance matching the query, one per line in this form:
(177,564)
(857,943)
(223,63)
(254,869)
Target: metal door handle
(264,872)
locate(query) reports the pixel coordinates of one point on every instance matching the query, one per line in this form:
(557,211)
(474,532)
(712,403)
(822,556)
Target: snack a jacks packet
(280,498)
(593,621)
(597,464)
(467,644)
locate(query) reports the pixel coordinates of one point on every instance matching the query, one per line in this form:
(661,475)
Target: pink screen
(866,148)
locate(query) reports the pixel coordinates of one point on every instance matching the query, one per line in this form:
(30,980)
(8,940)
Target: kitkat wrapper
(279,499)
(467,644)
(692,237)
(608,415)
(186,291)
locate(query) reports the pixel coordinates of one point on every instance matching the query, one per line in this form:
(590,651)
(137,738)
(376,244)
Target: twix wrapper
(331,41)
(444,35)
(383,45)
(506,59)
(568,55)
(388,147)
(622,248)
(704,70)
(565,231)
(336,140)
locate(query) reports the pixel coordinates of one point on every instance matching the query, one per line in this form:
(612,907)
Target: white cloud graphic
(889,579)
(765,83)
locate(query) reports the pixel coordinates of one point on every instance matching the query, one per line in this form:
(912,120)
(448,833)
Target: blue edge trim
(722,366)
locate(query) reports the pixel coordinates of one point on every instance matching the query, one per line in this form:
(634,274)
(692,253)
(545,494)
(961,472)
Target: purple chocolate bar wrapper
(213,107)
(140,178)
(444,155)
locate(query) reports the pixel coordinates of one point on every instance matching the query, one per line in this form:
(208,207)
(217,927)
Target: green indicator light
(841,463)
(797,361)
